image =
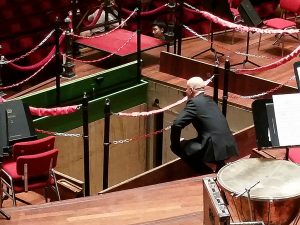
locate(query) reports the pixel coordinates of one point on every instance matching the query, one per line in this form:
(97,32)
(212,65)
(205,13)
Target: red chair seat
(278,23)
(294,155)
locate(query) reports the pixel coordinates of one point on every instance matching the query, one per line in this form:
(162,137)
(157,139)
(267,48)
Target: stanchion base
(5,214)
(244,63)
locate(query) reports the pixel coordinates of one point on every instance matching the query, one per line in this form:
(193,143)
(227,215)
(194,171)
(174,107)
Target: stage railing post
(216,83)
(158,139)
(225,86)
(57,61)
(86,154)
(178,28)
(107,114)
(68,65)
(169,34)
(1,66)
(138,31)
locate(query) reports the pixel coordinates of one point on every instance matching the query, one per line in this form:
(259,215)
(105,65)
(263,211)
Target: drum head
(271,179)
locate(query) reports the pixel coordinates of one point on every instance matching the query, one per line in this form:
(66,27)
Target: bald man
(214,142)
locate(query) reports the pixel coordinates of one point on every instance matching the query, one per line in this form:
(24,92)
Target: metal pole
(178,30)
(86,157)
(1,66)
(68,65)
(57,61)
(158,122)
(216,83)
(139,67)
(225,86)
(107,113)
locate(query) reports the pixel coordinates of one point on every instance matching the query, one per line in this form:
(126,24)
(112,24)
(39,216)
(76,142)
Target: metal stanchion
(107,113)
(57,61)
(68,65)
(216,82)
(86,154)
(225,86)
(158,125)
(139,55)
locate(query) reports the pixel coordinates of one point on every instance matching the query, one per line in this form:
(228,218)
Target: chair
(33,147)
(30,172)
(283,23)
(237,19)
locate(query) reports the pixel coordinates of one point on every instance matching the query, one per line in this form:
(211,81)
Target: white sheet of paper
(287,114)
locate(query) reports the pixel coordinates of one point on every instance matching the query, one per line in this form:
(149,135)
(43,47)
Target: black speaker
(249,14)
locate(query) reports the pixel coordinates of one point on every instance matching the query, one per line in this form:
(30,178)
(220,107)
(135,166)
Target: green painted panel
(96,85)
(119,101)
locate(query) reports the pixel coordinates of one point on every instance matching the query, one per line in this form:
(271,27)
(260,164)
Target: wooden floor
(178,202)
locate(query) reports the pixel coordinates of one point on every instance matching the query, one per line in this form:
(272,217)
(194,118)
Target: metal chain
(263,93)
(127,140)
(102,35)
(28,78)
(58,134)
(28,53)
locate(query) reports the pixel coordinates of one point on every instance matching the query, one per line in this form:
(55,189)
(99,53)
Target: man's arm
(183,119)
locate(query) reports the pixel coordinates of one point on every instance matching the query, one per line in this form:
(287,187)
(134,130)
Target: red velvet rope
(273,65)
(95,20)
(38,64)
(239,27)
(147,13)
(54,111)
(58,111)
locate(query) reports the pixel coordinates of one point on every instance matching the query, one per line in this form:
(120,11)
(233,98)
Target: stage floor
(176,202)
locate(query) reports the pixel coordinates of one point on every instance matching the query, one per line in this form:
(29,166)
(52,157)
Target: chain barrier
(239,27)
(28,78)
(102,35)
(140,137)
(229,50)
(3,61)
(57,133)
(263,93)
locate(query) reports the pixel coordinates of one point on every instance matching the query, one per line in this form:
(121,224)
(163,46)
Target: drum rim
(253,196)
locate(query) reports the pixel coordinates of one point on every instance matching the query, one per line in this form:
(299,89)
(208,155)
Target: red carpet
(113,41)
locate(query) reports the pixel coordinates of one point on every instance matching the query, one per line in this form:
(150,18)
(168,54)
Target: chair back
(33,147)
(38,164)
(290,5)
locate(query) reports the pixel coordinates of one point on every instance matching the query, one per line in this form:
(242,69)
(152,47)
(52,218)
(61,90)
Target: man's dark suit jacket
(214,142)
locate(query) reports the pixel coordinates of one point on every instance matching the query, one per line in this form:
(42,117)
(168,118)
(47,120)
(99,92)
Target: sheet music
(287,114)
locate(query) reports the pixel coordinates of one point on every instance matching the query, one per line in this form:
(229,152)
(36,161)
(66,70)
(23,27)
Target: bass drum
(261,189)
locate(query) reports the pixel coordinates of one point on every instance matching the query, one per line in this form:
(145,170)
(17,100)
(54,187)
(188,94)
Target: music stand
(270,121)
(251,19)
(223,10)
(297,73)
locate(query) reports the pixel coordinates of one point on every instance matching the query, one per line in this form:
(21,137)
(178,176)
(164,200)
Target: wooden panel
(176,202)
(185,67)
(126,160)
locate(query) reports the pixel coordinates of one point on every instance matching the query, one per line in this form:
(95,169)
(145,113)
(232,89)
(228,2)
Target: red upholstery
(294,155)
(279,23)
(38,166)
(33,147)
